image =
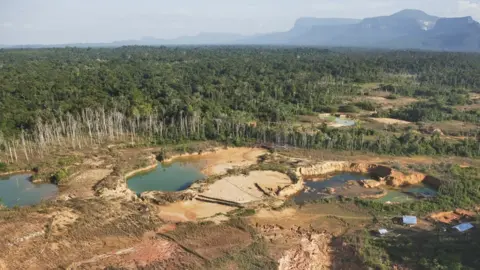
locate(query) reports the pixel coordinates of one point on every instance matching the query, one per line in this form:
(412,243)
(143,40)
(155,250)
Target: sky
(89,21)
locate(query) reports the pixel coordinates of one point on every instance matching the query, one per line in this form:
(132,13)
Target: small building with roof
(409,220)
(463,227)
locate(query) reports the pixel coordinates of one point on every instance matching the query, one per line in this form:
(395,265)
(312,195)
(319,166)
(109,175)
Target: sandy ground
(81,185)
(220,161)
(389,103)
(316,216)
(390,121)
(474,96)
(190,211)
(303,238)
(237,188)
(242,189)
(140,255)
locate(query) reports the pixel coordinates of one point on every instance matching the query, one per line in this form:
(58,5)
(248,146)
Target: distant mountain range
(407,29)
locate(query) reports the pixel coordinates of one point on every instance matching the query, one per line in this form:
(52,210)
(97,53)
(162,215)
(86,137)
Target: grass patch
(59,176)
(242,212)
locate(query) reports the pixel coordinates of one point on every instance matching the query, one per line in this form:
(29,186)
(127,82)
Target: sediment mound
(370,183)
(162,198)
(114,186)
(313,252)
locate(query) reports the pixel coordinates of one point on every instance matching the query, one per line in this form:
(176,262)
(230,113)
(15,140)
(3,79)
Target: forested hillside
(220,86)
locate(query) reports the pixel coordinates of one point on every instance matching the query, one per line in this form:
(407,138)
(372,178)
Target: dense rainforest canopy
(268,85)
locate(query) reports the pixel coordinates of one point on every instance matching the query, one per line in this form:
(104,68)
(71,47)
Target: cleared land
(243,189)
(221,160)
(390,121)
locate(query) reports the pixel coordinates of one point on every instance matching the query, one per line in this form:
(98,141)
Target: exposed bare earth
(390,121)
(222,160)
(312,253)
(243,189)
(81,184)
(91,231)
(384,103)
(191,210)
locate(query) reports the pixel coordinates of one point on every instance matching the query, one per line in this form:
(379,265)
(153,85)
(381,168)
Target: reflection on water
(175,176)
(18,190)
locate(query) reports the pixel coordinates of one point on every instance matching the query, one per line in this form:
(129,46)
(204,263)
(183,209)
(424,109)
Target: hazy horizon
(88,21)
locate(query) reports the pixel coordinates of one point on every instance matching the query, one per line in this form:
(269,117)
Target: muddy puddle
(174,176)
(331,186)
(18,190)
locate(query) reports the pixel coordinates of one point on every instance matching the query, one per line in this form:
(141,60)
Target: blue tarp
(409,220)
(463,227)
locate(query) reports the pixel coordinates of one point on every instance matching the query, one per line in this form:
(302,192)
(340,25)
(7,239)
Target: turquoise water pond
(18,190)
(175,176)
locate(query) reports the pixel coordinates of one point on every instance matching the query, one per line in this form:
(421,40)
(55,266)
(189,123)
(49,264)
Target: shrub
(366,105)
(327,109)
(348,108)
(59,176)
(3,167)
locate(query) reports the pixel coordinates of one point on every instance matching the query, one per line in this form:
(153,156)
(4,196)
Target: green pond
(395,196)
(314,189)
(408,194)
(175,176)
(18,190)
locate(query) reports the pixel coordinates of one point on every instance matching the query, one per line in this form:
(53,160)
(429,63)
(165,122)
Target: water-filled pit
(347,185)
(175,176)
(18,190)
(408,194)
(318,189)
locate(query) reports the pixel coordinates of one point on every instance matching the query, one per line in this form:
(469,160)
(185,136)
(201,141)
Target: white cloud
(468,8)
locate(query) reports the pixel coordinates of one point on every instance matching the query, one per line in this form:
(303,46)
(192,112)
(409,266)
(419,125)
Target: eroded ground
(237,221)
